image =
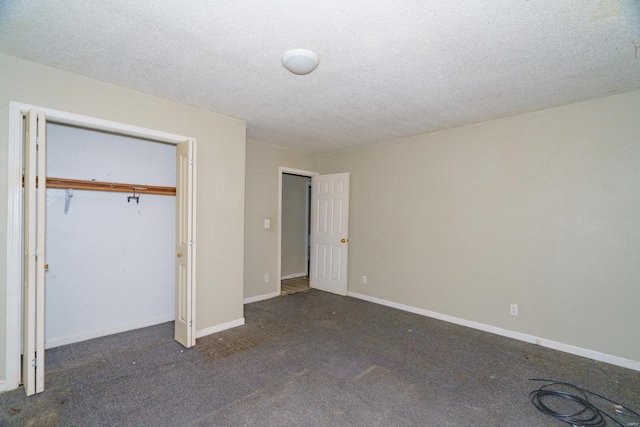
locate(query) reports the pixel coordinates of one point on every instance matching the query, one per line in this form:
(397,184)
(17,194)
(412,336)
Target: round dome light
(300,61)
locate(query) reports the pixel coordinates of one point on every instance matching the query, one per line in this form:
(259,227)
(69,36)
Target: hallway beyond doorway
(292,286)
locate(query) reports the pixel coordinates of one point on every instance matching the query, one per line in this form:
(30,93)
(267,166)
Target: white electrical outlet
(266,278)
(267,223)
(364,279)
(513,309)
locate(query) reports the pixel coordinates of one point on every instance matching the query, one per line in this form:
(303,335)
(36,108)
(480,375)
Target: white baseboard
(567,348)
(2,386)
(260,297)
(293,276)
(57,342)
(219,328)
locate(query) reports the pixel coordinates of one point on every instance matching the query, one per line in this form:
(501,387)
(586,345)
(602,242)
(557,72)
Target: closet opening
(109,251)
(112,236)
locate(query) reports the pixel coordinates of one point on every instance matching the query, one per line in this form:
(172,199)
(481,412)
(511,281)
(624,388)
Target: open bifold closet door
(185,248)
(34,251)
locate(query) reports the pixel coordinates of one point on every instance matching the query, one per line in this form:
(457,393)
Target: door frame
(14,212)
(282,171)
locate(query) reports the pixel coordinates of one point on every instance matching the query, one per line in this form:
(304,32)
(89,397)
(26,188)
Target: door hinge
(190,323)
(34,363)
(37,140)
(191,242)
(191,162)
(35,252)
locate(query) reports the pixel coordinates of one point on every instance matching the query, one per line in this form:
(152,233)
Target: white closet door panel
(34,251)
(185,244)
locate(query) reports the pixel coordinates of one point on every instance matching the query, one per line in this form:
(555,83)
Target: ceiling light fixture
(300,61)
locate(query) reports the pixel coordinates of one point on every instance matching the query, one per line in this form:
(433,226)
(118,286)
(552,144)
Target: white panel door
(329,232)
(185,244)
(35,188)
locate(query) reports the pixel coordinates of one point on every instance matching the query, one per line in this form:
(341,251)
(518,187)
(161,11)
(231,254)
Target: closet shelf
(116,187)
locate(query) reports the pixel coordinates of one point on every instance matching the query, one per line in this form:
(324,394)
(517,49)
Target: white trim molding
(261,297)
(2,386)
(566,348)
(219,328)
(14,249)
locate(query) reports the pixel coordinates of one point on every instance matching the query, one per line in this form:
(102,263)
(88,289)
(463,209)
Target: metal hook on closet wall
(67,200)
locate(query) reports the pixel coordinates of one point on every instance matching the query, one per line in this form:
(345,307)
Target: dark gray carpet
(311,359)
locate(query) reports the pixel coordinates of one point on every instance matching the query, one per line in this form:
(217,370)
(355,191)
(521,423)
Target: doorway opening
(329,219)
(294,222)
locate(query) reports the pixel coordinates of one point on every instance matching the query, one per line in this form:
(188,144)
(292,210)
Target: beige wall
(221,174)
(540,209)
(261,245)
(294,224)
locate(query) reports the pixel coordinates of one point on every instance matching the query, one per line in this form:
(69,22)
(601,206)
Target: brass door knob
(343,240)
(179,254)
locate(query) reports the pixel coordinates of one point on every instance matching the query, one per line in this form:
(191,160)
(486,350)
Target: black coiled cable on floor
(584,413)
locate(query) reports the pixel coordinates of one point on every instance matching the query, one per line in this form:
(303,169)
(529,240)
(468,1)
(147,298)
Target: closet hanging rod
(79,184)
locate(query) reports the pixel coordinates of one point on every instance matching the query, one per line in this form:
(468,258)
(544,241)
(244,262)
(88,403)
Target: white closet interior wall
(111,262)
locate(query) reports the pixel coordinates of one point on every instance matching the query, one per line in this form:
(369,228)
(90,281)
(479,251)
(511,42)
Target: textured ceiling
(388,68)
